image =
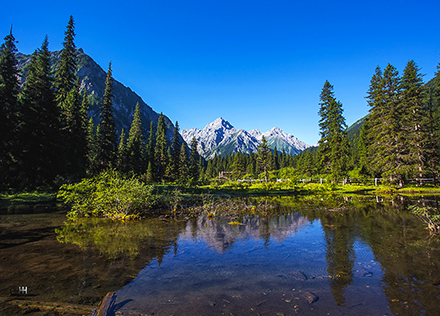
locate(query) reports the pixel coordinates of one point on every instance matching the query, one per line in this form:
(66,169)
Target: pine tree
(74,134)
(91,149)
(392,136)
(372,126)
(385,134)
(106,136)
(9,89)
(122,154)
(333,145)
(149,150)
(238,166)
(183,165)
(175,153)
(65,74)
(413,121)
(263,157)
(193,167)
(161,149)
(136,144)
(276,159)
(39,127)
(149,178)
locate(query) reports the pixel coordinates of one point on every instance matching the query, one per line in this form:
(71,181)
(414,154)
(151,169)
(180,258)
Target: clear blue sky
(258,64)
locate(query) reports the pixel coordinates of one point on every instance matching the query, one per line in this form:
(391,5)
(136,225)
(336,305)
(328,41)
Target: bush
(109,194)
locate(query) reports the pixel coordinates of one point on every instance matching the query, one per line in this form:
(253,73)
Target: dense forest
(47,137)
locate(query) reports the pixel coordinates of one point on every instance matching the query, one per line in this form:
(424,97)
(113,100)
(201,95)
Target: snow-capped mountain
(220,137)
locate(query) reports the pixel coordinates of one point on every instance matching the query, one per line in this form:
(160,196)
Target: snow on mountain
(221,138)
(277,138)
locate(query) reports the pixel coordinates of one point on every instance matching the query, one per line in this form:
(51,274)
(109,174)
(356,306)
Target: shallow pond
(352,256)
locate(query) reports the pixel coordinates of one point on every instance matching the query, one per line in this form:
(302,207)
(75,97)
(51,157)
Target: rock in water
(310,297)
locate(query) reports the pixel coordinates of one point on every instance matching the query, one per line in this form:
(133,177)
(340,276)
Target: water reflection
(335,255)
(221,236)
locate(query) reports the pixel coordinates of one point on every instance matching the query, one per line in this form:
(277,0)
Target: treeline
(47,137)
(399,138)
(242,166)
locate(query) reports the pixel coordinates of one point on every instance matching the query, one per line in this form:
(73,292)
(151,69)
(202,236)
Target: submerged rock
(297,275)
(310,297)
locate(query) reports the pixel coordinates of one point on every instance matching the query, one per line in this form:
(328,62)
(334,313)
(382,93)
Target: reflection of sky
(220,235)
(215,263)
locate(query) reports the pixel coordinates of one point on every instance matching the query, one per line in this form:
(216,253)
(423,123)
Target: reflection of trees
(411,263)
(114,238)
(340,255)
(218,234)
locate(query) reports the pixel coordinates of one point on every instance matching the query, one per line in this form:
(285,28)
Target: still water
(353,256)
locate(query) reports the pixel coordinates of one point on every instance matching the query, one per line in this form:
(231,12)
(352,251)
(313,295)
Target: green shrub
(109,194)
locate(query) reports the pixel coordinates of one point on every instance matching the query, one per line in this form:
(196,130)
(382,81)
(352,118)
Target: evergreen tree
(385,134)
(65,74)
(91,149)
(263,157)
(122,155)
(183,165)
(392,136)
(238,166)
(74,134)
(431,142)
(136,144)
(194,171)
(372,126)
(39,127)
(276,159)
(9,89)
(106,136)
(149,178)
(362,162)
(161,149)
(175,154)
(413,121)
(333,145)
(149,151)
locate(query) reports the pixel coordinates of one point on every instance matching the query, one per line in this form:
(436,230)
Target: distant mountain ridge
(92,78)
(221,138)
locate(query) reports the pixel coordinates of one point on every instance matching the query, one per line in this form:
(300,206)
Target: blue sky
(257,64)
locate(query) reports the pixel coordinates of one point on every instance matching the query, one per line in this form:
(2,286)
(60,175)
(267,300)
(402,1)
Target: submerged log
(106,306)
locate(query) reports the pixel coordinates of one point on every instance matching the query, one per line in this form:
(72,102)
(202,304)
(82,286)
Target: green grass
(27,197)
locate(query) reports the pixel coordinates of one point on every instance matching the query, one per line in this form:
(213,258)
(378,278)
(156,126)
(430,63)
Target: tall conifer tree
(9,89)
(263,157)
(38,131)
(183,165)
(150,149)
(333,145)
(136,144)
(106,136)
(65,74)
(193,164)
(175,153)
(122,155)
(414,129)
(161,149)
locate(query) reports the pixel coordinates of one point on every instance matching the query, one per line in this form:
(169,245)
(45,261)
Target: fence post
(375,182)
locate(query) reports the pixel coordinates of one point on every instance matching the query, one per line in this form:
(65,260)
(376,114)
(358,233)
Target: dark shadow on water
(118,306)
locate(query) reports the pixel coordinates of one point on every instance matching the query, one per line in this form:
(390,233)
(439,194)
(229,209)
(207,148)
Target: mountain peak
(221,138)
(276,130)
(219,123)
